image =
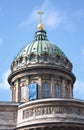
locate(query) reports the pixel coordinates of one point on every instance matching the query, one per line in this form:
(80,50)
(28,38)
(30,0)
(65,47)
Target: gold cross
(40,13)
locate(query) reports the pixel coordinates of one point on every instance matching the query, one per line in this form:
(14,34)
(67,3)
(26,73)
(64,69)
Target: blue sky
(64,24)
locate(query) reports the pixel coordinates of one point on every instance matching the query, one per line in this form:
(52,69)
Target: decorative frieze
(43,110)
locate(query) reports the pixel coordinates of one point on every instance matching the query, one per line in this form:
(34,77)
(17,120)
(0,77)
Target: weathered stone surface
(8,115)
(51,111)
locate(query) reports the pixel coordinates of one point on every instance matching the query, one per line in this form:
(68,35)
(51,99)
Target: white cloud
(52,18)
(79,89)
(4,83)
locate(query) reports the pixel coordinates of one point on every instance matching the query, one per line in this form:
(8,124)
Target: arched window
(57,59)
(57,91)
(32,58)
(21,59)
(46,90)
(45,58)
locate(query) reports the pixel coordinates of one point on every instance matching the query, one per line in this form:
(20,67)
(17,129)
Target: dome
(38,67)
(40,51)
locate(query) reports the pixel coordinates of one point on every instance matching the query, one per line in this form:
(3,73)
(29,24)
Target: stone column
(11,93)
(70,91)
(52,87)
(27,83)
(39,87)
(63,88)
(18,93)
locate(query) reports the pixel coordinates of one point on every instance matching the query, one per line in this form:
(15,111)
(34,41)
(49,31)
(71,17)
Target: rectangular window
(46,90)
(23,92)
(57,91)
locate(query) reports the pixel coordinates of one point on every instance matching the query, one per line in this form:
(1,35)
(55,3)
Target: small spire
(40,26)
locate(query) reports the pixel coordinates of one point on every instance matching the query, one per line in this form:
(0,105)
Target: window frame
(23,92)
(57,91)
(32,58)
(45,90)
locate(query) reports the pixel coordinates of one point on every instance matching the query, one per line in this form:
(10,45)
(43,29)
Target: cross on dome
(40,26)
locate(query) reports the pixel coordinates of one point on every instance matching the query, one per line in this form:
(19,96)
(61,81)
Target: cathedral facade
(41,84)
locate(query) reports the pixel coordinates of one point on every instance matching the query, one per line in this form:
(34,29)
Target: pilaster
(11,93)
(52,87)
(18,95)
(39,87)
(27,83)
(63,88)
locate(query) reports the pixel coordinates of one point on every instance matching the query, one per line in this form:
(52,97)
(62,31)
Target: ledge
(51,111)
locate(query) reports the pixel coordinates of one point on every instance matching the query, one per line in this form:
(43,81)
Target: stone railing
(51,111)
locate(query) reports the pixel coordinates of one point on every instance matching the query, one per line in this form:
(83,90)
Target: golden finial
(40,26)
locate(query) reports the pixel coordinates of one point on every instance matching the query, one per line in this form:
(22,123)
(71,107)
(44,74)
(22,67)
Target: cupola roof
(40,51)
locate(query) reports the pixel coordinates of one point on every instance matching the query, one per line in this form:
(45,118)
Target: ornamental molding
(52,110)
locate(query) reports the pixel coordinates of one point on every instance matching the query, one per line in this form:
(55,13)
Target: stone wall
(41,75)
(8,115)
(51,111)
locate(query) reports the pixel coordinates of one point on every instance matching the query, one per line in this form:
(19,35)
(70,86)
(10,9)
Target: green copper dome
(40,51)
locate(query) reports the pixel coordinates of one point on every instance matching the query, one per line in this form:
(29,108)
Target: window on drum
(46,90)
(23,92)
(57,91)
(32,91)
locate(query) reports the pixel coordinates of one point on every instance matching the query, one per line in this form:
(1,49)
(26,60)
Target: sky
(64,23)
